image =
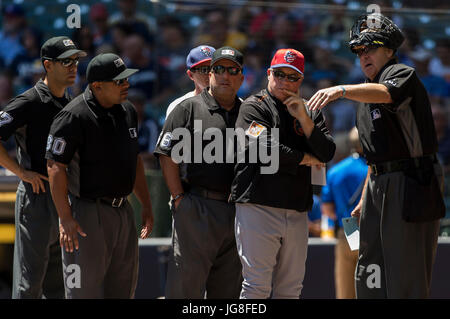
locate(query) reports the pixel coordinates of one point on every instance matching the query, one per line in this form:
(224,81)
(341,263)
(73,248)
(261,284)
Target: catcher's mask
(375,30)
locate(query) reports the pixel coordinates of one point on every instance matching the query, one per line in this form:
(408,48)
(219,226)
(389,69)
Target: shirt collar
(96,108)
(214,106)
(377,77)
(45,95)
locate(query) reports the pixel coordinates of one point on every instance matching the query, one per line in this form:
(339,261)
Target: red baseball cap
(288,58)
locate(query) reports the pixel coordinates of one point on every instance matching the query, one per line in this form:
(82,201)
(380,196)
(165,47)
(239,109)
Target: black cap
(59,48)
(228,53)
(107,67)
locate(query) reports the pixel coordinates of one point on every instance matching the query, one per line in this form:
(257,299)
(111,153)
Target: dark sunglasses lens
(290,77)
(201,69)
(293,78)
(218,69)
(121,81)
(233,70)
(279,74)
(69,62)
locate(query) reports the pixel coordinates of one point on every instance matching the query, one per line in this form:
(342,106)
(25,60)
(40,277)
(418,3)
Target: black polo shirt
(402,129)
(195,171)
(100,145)
(29,117)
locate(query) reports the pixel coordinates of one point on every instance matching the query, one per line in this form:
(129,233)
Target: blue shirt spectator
(344,185)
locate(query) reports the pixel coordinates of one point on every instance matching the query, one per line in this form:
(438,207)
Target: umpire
(402,201)
(204,256)
(37,256)
(94,138)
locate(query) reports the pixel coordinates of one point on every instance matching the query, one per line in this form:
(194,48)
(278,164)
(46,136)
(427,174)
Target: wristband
(178,196)
(343,91)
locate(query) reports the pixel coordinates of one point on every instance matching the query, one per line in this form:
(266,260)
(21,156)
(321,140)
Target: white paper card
(351,230)
(318,176)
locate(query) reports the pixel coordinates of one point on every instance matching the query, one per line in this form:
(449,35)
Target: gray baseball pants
(37,270)
(272,244)
(204,258)
(106,263)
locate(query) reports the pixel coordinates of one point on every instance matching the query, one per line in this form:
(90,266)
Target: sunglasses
(220,69)
(68,62)
(201,69)
(282,75)
(364,50)
(120,82)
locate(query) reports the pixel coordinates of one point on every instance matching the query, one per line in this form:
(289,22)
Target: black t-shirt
(100,146)
(29,117)
(402,129)
(201,115)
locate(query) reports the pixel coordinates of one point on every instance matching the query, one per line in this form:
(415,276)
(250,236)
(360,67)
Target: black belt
(402,165)
(116,202)
(209,193)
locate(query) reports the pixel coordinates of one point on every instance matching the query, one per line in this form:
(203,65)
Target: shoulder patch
(392,82)
(376,114)
(166,141)
(5,118)
(255,129)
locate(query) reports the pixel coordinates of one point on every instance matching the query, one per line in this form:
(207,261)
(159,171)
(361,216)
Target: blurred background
(156,36)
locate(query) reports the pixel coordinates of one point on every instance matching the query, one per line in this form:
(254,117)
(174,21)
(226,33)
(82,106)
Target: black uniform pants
(395,257)
(37,270)
(106,263)
(204,255)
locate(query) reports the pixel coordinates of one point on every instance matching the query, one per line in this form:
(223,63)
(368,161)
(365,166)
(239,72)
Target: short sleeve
(64,137)
(14,116)
(327,194)
(398,79)
(169,137)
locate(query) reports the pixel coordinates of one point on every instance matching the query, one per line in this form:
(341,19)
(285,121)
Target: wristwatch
(177,196)
(172,202)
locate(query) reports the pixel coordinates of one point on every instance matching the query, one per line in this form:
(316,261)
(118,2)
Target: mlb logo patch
(228,52)
(255,129)
(68,42)
(119,62)
(289,57)
(133,132)
(376,114)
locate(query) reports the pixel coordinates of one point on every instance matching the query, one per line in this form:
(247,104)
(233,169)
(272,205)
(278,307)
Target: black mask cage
(375,30)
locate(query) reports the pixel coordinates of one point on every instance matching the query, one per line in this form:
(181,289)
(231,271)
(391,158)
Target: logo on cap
(68,42)
(228,52)
(206,51)
(119,62)
(289,57)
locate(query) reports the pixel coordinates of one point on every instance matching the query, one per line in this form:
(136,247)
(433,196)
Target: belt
(402,165)
(209,193)
(111,201)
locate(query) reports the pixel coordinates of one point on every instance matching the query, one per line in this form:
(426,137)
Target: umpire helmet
(375,30)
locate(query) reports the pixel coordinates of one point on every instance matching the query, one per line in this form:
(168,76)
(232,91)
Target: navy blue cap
(199,55)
